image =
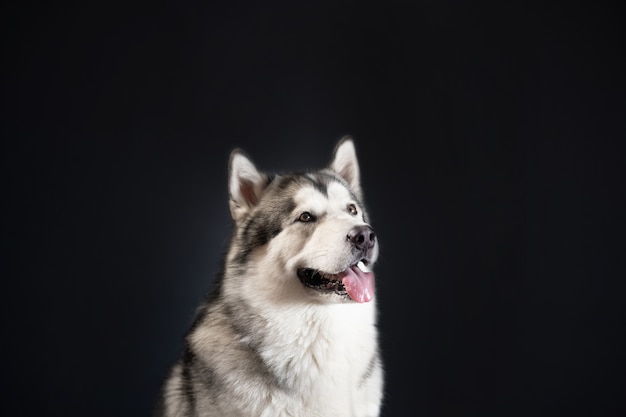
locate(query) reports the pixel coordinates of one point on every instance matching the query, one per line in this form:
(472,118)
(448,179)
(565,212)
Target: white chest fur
(322,355)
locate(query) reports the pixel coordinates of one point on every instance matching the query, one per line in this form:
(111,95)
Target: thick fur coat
(290,327)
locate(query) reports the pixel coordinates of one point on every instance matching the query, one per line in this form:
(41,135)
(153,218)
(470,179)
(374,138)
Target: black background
(491,143)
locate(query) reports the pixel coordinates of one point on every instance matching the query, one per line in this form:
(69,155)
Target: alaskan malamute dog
(290,328)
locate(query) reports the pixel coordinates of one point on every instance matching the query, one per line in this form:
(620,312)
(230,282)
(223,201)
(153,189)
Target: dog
(289,328)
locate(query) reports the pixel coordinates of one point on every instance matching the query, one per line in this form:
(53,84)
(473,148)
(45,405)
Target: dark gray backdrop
(491,145)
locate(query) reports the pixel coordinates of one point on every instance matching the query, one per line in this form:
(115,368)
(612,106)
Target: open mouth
(356,282)
(321,281)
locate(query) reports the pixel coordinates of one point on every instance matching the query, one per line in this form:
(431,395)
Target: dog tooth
(362,267)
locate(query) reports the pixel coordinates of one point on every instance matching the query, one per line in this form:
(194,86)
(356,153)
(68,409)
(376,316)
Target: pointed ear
(245,184)
(344,162)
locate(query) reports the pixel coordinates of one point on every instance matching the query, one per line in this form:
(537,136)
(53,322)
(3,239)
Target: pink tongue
(359,284)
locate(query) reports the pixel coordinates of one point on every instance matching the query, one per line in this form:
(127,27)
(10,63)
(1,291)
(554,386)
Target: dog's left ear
(345,163)
(245,184)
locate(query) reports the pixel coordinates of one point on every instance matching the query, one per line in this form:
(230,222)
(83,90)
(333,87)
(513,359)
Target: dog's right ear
(245,184)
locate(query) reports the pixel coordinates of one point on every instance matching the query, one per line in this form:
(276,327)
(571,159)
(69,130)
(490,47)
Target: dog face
(303,235)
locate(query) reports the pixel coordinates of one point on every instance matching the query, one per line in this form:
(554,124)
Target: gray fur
(240,358)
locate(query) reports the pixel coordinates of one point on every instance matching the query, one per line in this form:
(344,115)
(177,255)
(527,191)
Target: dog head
(302,234)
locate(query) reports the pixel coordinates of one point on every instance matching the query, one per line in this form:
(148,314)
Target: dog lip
(330,282)
(321,281)
(311,273)
(334,276)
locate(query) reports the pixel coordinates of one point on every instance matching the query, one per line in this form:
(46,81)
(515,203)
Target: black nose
(362,237)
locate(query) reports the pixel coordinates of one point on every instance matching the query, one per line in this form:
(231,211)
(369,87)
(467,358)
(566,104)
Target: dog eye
(352,209)
(306,217)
